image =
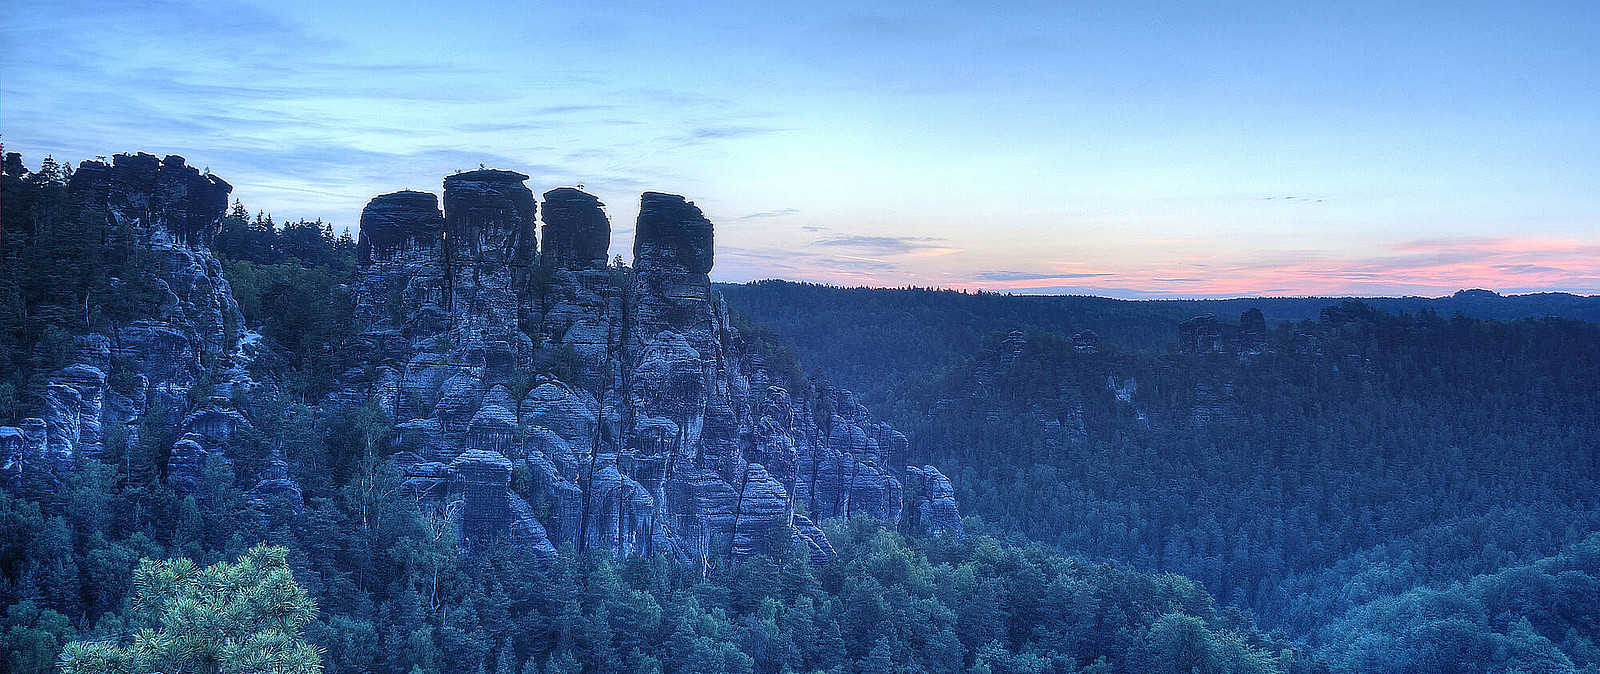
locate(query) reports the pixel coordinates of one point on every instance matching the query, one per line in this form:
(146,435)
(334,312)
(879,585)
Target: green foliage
(779,354)
(243,617)
(1362,458)
(64,270)
(33,636)
(398,597)
(264,242)
(1535,617)
(307,313)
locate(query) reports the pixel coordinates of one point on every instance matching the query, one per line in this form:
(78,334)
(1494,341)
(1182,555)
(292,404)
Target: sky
(1126,149)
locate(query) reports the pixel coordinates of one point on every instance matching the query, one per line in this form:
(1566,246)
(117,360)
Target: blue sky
(1128,149)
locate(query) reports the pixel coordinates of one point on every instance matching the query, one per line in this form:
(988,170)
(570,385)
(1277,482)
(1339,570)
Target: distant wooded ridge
(1474,302)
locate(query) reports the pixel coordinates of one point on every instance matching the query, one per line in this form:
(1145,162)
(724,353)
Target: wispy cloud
(744,263)
(305,121)
(705,134)
(774,213)
(882,245)
(1034,276)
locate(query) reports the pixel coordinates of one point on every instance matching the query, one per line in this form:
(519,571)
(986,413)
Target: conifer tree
(242,617)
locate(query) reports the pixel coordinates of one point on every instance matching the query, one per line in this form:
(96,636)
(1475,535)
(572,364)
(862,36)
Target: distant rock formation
(1212,401)
(1013,345)
(1086,341)
(1252,332)
(1205,334)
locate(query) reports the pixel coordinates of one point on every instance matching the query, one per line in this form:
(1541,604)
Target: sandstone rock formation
(642,421)
(168,203)
(576,231)
(173,212)
(1252,332)
(1086,341)
(1205,334)
(542,397)
(1210,401)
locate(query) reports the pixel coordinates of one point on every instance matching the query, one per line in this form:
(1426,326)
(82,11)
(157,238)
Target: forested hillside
(395,586)
(1342,478)
(876,340)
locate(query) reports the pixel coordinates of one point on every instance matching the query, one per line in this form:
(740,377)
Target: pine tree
(243,617)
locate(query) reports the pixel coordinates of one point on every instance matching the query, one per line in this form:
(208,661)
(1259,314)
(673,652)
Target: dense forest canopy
(878,339)
(1406,488)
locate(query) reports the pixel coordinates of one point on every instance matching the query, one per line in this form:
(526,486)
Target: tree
(1179,643)
(244,617)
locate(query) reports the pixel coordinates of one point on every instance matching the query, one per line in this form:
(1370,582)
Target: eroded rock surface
(576,232)
(542,397)
(150,368)
(642,422)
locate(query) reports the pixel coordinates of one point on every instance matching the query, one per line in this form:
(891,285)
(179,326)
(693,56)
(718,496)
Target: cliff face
(162,360)
(571,401)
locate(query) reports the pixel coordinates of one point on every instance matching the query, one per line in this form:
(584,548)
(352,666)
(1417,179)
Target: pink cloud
(1415,267)
(1410,267)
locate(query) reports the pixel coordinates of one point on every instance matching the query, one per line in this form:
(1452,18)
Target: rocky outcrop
(642,422)
(576,233)
(936,501)
(170,212)
(165,202)
(12,165)
(1012,347)
(1210,399)
(483,478)
(1252,332)
(396,224)
(491,241)
(400,251)
(1205,334)
(1086,341)
(542,398)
